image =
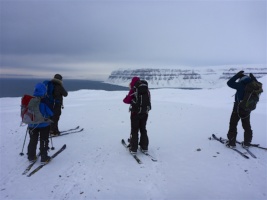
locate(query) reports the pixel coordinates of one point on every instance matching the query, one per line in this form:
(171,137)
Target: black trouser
(44,141)
(238,114)
(138,122)
(55,118)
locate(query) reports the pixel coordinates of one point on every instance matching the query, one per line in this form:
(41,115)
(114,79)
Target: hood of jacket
(39,90)
(134,80)
(245,79)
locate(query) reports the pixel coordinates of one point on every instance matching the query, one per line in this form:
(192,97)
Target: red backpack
(30,112)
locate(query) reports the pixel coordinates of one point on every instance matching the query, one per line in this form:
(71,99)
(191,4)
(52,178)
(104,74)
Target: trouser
(55,118)
(44,141)
(236,115)
(138,122)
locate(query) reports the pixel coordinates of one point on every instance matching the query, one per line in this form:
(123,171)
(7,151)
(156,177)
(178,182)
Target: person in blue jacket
(41,129)
(238,113)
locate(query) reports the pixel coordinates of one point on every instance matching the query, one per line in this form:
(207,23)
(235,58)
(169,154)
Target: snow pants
(44,141)
(55,118)
(236,115)
(138,122)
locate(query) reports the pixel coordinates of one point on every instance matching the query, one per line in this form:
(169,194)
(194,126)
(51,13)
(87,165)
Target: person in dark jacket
(238,113)
(59,92)
(138,122)
(41,129)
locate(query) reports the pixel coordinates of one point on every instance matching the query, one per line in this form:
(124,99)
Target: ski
(69,132)
(147,154)
(30,165)
(134,156)
(250,153)
(52,157)
(254,145)
(221,141)
(71,129)
(258,146)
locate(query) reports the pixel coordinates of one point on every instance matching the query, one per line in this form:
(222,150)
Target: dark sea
(14,87)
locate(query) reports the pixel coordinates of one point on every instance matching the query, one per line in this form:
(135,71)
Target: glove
(240,74)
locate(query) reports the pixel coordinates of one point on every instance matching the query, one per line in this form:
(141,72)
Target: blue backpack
(49,97)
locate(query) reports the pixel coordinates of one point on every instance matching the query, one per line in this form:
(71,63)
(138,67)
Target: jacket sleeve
(63,92)
(232,82)
(59,92)
(129,97)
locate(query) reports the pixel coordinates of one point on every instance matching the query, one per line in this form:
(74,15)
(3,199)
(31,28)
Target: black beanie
(58,76)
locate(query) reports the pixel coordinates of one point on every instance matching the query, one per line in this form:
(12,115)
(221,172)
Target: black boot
(231,139)
(43,149)
(45,159)
(247,138)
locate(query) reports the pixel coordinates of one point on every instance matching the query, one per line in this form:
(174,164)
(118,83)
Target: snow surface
(96,166)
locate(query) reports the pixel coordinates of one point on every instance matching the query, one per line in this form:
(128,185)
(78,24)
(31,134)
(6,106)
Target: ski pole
(52,148)
(23,143)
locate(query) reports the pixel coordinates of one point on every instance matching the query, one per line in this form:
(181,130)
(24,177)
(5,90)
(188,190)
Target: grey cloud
(133,32)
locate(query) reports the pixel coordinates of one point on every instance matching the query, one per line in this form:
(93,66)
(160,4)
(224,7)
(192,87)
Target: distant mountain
(184,77)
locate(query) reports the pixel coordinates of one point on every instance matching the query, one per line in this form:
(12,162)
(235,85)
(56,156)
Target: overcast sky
(89,39)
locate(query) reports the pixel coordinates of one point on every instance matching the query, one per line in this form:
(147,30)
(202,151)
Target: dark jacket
(239,86)
(59,91)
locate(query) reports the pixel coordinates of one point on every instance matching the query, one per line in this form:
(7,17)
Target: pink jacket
(129,97)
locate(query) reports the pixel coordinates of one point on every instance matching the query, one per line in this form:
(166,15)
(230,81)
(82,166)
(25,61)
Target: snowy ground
(96,166)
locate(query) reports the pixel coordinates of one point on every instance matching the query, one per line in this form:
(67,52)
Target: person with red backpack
(139,98)
(40,129)
(58,93)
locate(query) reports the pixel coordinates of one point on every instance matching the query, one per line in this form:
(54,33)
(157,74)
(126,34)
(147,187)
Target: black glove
(240,74)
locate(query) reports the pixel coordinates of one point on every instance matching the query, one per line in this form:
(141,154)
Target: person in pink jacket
(128,99)
(138,122)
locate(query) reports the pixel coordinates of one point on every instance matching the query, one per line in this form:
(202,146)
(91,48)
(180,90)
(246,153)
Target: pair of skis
(135,156)
(70,131)
(222,140)
(66,132)
(42,165)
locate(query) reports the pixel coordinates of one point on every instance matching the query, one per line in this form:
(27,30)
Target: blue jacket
(239,86)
